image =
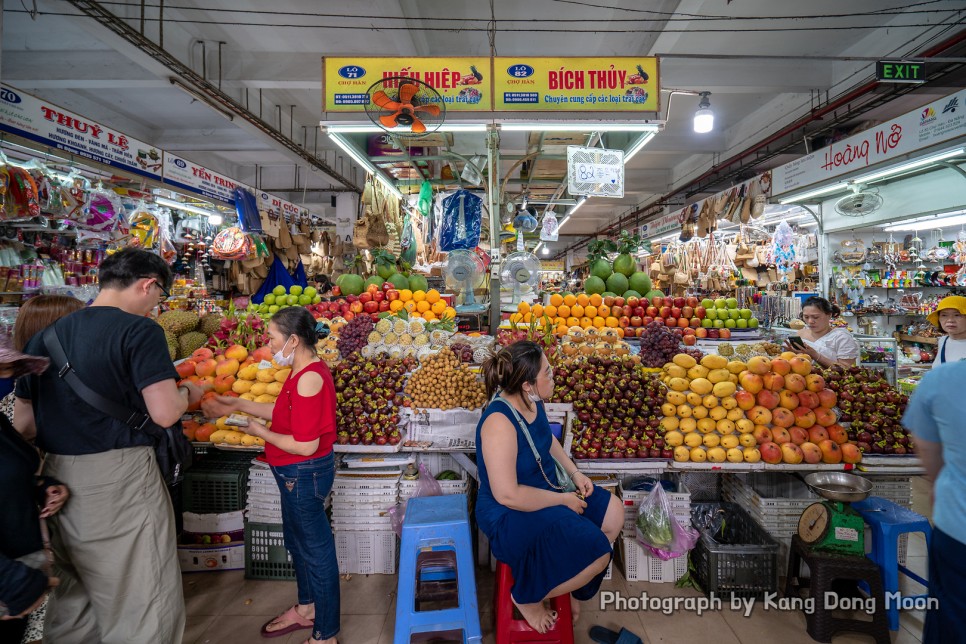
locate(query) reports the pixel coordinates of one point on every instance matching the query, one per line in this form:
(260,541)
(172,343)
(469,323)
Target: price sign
(595,172)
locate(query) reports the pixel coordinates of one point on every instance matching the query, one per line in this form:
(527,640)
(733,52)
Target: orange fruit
(527,317)
(432,296)
(438,307)
(599,322)
(612,322)
(603,310)
(572,321)
(515,318)
(419,296)
(405,295)
(395,305)
(422,305)
(450,312)
(563,310)
(551,310)
(523,307)
(577,311)
(586,322)
(556,299)
(590,311)
(569,299)
(583,300)
(620,333)
(559,321)
(596,299)
(537,310)
(561,330)
(429,316)
(409,305)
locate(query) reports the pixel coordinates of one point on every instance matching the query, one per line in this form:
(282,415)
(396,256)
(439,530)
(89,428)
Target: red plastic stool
(517,631)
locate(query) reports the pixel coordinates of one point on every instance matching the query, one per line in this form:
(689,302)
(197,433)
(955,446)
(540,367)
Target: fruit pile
(443,381)
(354,335)
(659,344)
(702,419)
(792,412)
(280,298)
(582,343)
(620,278)
(369,395)
(184,331)
(873,408)
(618,406)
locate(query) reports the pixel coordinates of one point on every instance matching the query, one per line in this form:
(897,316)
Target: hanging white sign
(595,172)
(191,176)
(277,207)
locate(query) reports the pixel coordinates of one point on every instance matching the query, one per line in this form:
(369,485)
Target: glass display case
(880,353)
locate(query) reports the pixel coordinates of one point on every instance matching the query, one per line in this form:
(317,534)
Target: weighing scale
(832,525)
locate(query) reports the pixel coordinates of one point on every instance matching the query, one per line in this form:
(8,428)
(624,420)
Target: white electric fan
(465,273)
(521,272)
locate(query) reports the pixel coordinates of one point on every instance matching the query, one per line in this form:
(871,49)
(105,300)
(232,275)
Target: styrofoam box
(366,553)
(209,558)
(640,566)
(213,523)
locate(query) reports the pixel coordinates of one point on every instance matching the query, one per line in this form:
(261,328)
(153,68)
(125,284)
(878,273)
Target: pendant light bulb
(704,117)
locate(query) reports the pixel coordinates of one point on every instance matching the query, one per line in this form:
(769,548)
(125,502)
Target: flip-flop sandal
(298,623)
(603,635)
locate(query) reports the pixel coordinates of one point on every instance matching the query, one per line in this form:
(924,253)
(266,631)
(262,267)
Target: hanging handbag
(171,446)
(564,482)
(360,231)
(757,198)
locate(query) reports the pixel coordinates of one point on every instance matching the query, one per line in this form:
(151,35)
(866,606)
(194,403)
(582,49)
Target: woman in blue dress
(554,542)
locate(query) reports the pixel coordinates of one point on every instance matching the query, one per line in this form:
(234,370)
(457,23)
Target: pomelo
(375,279)
(631,293)
(601,268)
(398,281)
(351,284)
(594,284)
(625,265)
(418,283)
(650,295)
(617,283)
(639,282)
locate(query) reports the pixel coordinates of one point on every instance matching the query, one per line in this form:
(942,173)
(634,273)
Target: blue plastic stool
(437,524)
(888,522)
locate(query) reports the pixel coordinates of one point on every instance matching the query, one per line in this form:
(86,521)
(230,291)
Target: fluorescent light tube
(539,126)
(643,140)
(942,220)
(912,165)
(171,203)
(349,149)
(375,129)
(837,187)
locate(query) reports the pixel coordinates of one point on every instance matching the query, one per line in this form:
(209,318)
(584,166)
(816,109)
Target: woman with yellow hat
(950,317)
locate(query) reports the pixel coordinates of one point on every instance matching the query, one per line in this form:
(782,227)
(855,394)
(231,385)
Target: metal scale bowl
(832,525)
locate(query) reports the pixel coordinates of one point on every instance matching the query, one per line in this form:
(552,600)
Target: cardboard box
(209,558)
(211,523)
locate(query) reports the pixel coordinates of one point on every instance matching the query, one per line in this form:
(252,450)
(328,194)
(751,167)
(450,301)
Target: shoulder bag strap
(523,426)
(134,419)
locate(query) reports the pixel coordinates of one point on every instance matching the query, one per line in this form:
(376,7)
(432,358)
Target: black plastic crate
(737,558)
(265,553)
(216,485)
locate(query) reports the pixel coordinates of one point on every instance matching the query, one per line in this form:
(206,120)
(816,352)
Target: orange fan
(405,102)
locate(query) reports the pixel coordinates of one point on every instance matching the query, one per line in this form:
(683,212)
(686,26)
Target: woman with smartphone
(820,340)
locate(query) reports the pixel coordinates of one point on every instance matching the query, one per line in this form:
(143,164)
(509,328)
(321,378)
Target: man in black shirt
(114,541)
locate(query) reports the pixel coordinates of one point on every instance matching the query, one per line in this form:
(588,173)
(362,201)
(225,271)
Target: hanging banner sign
(610,84)
(276,207)
(198,179)
(549,265)
(662,225)
(941,120)
(595,172)
(45,123)
(464,83)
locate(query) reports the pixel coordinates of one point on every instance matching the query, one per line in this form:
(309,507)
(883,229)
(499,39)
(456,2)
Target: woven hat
(21,363)
(952,302)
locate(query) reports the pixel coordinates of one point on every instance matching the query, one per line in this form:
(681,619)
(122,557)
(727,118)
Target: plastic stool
(517,631)
(888,522)
(825,568)
(436,525)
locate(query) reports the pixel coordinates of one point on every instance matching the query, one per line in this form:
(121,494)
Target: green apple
(730,324)
(295,290)
(279,290)
(753,323)
(742,323)
(719,324)
(720,303)
(316,299)
(707,323)
(273,309)
(311,291)
(732,303)
(292,300)
(711,314)
(269,299)
(745,314)
(733,314)
(708,304)
(304,299)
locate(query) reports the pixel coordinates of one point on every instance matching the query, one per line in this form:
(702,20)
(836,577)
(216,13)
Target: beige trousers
(115,553)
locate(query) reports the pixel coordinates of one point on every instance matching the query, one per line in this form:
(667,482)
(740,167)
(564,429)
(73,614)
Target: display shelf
(917,338)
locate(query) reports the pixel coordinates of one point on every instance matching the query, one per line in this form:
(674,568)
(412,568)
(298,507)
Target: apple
(720,303)
(665,311)
(619,301)
(690,340)
(633,301)
(624,322)
(691,301)
(365,297)
(745,314)
(701,332)
(647,319)
(707,303)
(652,311)
(675,312)
(639,311)
(706,323)
(687,312)
(700,312)
(609,301)
(695,323)
(636,320)
(628,310)
(657,301)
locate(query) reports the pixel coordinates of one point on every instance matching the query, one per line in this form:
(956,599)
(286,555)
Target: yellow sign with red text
(617,84)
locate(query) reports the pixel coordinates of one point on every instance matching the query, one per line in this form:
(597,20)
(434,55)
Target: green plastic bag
(425,198)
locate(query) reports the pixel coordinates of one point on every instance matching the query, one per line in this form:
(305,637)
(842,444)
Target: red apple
(679,302)
(619,301)
(383,306)
(691,301)
(639,311)
(657,301)
(624,322)
(392,294)
(370,306)
(675,312)
(652,311)
(690,340)
(700,312)
(687,312)
(636,320)
(365,297)
(671,322)
(695,323)
(647,319)
(665,312)
(378,296)
(628,310)
(700,332)
(633,301)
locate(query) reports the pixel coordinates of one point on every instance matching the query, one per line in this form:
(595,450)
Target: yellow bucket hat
(952,302)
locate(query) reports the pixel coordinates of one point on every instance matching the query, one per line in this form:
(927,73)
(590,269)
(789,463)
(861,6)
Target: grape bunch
(658,345)
(697,354)
(354,335)
(462,351)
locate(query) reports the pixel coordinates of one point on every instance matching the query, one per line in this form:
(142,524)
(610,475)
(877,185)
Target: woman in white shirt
(825,344)
(950,317)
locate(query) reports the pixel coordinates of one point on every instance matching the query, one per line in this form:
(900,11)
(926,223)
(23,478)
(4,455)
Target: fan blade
(389,120)
(407,91)
(418,126)
(381,99)
(429,109)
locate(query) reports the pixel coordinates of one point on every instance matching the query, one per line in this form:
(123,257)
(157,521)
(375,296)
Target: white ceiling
(75,62)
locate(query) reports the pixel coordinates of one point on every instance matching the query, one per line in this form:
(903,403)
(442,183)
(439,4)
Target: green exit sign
(895,71)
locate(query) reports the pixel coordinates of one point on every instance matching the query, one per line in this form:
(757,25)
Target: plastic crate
(366,553)
(216,486)
(741,562)
(704,486)
(641,566)
(265,553)
(680,500)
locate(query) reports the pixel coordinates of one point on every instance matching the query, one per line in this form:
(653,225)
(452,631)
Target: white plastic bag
(658,530)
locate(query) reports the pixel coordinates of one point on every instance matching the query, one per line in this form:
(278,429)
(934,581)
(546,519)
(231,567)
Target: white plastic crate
(366,553)
(356,484)
(408,488)
(437,462)
(641,566)
(680,502)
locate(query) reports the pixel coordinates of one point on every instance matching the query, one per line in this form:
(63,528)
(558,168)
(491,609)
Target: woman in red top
(299,448)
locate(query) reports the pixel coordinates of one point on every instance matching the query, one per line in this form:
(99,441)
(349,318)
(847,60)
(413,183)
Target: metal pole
(493,189)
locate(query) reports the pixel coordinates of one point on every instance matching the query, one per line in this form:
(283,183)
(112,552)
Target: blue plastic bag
(247,210)
(462,219)
(278,276)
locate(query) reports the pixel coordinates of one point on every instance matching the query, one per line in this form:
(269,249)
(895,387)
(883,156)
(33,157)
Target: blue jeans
(308,538)
(947,574)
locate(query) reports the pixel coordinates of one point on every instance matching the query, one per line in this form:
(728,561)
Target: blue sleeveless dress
(547,547)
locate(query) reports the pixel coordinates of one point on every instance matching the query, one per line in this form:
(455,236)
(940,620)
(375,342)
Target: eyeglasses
(164,292)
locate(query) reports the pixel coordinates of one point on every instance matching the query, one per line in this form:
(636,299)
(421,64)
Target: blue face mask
(6,386)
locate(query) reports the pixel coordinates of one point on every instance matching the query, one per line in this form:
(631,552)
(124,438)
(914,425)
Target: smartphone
(796,342)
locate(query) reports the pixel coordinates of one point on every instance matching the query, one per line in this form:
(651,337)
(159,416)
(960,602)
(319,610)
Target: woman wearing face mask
(299,448)
(950,317)
(825,343)
(554,542)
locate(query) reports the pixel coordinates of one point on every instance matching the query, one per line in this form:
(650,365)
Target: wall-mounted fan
(464,273)
(860,203)
(400,104)
(521,272)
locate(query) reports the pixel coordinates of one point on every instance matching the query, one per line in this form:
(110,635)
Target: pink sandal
(298,623)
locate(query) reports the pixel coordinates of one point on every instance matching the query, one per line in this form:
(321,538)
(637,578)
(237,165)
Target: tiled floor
(225,607)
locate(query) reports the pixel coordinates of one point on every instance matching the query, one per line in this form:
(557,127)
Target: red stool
(517,631)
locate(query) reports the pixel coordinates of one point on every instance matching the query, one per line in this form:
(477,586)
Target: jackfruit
(210,324)
(190,341)
(179,322)
(172,345)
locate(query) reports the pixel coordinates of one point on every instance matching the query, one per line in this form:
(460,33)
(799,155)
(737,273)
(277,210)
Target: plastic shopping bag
(658,530)
(426,486)
(462,220)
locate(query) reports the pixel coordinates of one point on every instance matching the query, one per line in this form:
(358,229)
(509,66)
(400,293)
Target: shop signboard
(190,176)
(550,265)
(464,83)
(939,121)
(276,207)
(607,84)
(662,225)
(45,123)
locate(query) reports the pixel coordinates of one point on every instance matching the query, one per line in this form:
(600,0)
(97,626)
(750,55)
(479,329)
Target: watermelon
(617,283)
(375,279)
(639,282)
(398,281)
(601,268)
(625,265)
(594,284)
(351,284)
(418,283)
(650,295)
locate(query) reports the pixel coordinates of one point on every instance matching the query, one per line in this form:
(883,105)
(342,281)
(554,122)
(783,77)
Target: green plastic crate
(213,486)
(265,553)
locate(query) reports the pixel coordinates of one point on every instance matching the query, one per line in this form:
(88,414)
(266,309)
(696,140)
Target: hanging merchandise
(22,192)
(144,227)
(526,220)
(232,244)
(105,210)
(407,242)
(247,209)
(550,227)
(425,198)
(783,251)
(462,217)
